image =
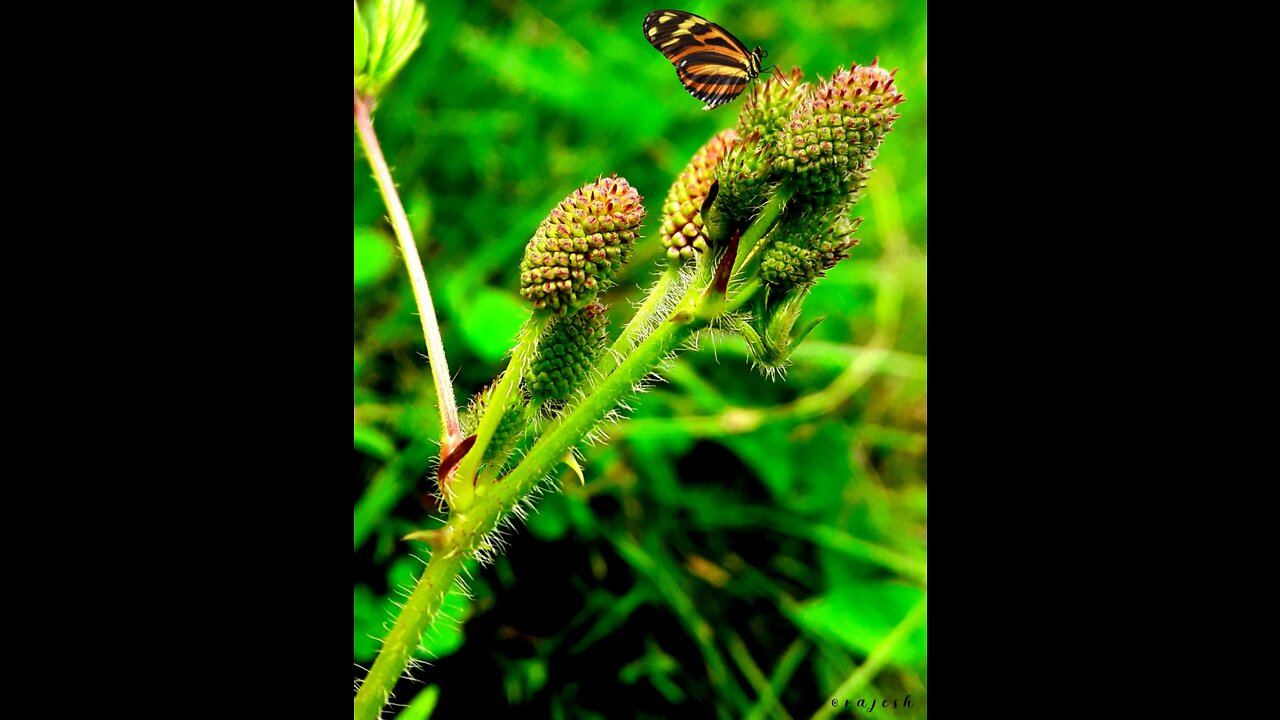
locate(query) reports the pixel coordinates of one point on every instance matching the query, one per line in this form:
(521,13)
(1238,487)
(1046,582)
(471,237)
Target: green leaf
(422,705)
(376,19)
(368,622)
(362,41)
(373,443)
(550,519)
(407,29)
(859,615)
(373,256)
(395,29)
(500,316)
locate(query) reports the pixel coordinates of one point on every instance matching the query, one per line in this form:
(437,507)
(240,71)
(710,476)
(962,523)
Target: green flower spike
(745,185)
(581,245)
(746,175)
(767,110)
(682,226)
(833,135)
(510,428)
(807,247)
(567,352)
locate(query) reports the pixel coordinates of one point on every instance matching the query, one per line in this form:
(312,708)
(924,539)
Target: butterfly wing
(712,83)
(712,64)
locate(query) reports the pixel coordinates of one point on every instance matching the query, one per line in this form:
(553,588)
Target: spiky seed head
(579,248)
(567,352)
(682,226)
(746,174)
(767,110)
(835,132)
(745,183)
(806,246)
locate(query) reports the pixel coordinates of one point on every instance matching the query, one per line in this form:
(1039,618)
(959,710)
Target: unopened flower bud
(836,130)
(567,352)
(767,110)
(581,245)
(509,429)
(682,223)
(806,247)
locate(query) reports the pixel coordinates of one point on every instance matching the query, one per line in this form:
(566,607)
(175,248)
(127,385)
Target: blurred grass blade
(879,656)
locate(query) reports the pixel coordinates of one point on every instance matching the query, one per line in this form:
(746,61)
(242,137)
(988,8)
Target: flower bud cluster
(567,352)
(581,245)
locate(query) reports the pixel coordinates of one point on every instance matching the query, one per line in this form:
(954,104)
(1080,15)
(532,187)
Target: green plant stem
(845,544)
(418,613)
(558,439)
(471,523)
(750,248)
(781,677)
(642,321)
(765,694)
(451,433)
(859,678)
(468,530)
(742,294)
(836,357)
(460,490)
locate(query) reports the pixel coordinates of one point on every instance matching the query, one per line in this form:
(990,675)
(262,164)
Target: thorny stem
(451,433)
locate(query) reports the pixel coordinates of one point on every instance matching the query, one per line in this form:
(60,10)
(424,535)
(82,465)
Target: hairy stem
(418,613)
(646,316)
(521,356)
(451,433)
(476,510)
(581,419)
(470,529)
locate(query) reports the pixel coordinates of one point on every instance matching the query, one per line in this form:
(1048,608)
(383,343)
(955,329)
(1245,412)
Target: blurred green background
(741,546)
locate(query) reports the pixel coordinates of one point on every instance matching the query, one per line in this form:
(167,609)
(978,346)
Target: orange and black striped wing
(712,64)
(713,84)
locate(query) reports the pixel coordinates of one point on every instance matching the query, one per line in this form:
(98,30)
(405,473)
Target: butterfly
(712,64)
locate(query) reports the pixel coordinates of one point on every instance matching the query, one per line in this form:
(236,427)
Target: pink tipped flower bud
(581,245)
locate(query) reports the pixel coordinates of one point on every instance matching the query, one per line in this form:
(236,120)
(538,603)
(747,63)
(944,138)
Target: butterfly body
(712,64)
